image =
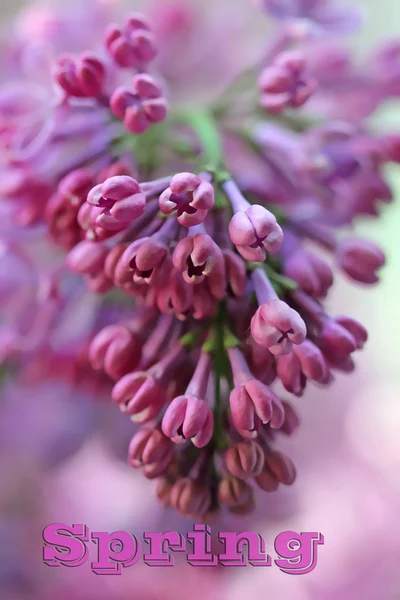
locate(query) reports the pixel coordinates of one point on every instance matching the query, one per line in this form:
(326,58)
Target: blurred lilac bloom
(320,15)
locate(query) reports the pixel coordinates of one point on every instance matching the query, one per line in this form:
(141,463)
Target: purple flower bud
(291,421)
(305,362)
(315,16)
(190,498)
(203,302)
(62,209)
(311,273)
(253,229)
(150,449)
(285,84)
(235,272)
(254,232)
(143,394)
(151,263)
(75,186)
(120,200)
(87,216)
(175,297)
(312,362)
(290,373)
(198,256)
(266,480)
(99,283)
(234,492)
(163,490)
(141,107)
(81,77)
(281,466)
(112,260)
(190,196)
(357,330)
(336,342)
(392,148)
(189,416)
(115,350)
(148,261)
(133,45)
(140,395)
(360,260)
(87,258)
(245,459)
(275,325)
(262,362)
(251,402)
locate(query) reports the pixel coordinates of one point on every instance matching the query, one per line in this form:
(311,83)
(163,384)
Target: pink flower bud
(150,449)
(285,84)
(120,200)
(141,107)
(233,492)
(251,402)
(75,186)
(63,207)
(163,490)
(236,275)
(190,196)
(254,232)
(81,77)
(357,330)
(197,257)
(312,362)
(203,302)
(360,260)
(140,395)
(281,466)
(245,459)
(175,297)
(188,417)
(311,273)
(148,261)
(133,45)
(190,498)
(99,283)
(289,372)
(112,260)
(116,350)
(305,362)
(336,342)
(277,327)
(266,480)
(87,258)
(262,362)
(87,216)
(291,421)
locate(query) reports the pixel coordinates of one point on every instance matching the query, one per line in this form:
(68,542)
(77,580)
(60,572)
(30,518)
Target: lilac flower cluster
(192,240)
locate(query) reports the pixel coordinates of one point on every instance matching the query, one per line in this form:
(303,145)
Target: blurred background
(62,460)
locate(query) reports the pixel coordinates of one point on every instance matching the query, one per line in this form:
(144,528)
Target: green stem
(281,284)
(191,340)
(220,440)
(284,282)
(205,127)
